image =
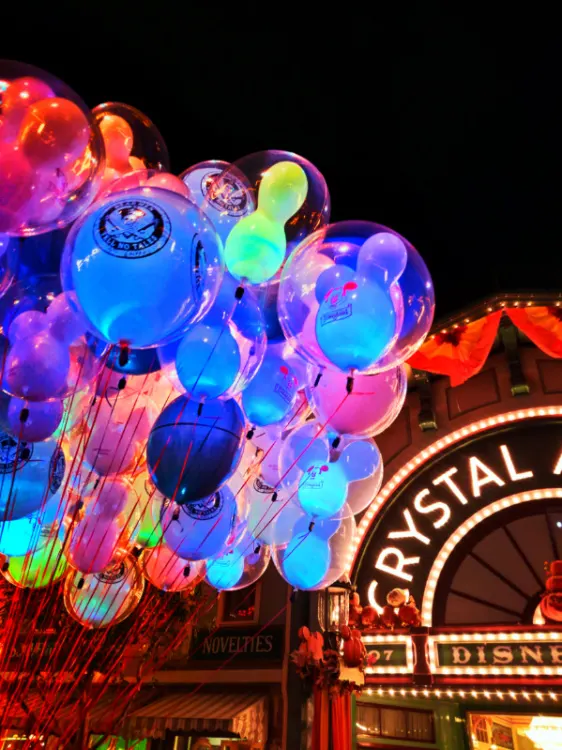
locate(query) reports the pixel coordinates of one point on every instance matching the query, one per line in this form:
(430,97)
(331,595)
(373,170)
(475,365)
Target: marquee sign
(496,654)
(424,513)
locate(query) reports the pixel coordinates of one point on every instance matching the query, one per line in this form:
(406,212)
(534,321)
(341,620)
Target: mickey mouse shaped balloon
(326,472)
(355,297)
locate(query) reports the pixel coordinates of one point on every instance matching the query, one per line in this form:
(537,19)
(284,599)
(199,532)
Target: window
(395,723)
(240,607)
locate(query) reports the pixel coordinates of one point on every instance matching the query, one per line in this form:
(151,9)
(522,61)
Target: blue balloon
(306,561)
(194,448)
(271,396)
(19,537)
(355,324)
(323,490)
(138,361)
(208,361)
(30,474)
(332,278)
(224,572)
(145,264)
(200,529)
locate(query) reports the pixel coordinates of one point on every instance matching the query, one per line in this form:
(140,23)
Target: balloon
(268,512)
(54,133)
(272,394)
(157,258)
(200,530)
(168,572)
(219,356)
(222,192)
(373,404)
(256,245)
(103,529)
(193,449)
(316,556)
(346,293)
(237,568)
(45,360)
(30,473)
(241,181)
(63,319)
(22,536)
(38,569)
(107,598)
(151,503)
(51,152)
(131,140)
(43,418)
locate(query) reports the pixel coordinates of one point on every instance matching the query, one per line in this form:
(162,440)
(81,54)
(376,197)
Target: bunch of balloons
(194,367)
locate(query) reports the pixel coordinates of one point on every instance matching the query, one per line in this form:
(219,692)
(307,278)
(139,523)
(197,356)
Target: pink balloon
(16,186)
(20,94)
(372,406)
(168,181)
(165,570)
(116,439)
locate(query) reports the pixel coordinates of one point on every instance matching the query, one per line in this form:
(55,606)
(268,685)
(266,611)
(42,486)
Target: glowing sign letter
(401,563)
(487,475)
(514,475)
(431,508)
(455,489)
(412,531)
(461,655)
(558,467)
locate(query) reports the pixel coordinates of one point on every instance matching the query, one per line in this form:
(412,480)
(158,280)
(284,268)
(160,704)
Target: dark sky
(436,121)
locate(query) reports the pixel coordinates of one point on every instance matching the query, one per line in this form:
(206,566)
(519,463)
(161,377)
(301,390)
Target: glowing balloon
(373,404)
(346,294)
(9,258)
(23,535)
(38,569)
(317,554)
(200,530)
(103,599)
(54,133)
(222,192)
(149,532)
(272,394)
(193,449)
(157,258)
(168,572)
(30,474)
(256,246)
(103,529)
(146,178)
(33,421)
(238,567)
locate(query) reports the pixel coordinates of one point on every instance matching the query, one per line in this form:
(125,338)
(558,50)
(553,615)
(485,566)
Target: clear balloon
(169,572)
(51,152)
(343,301)
(271,396)
(40,568)
(194,448)
(238,567)
(219,356)
(317,554)
(30,475)
(373,404)
(157,259)
(44,360)
(132,141)
(151,504)
(102,530)
(200,530)
(33,421)
(311,214)
(222,192)
(103,599)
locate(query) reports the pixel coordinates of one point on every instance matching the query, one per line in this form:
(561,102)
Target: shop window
(395,723)
(240,607)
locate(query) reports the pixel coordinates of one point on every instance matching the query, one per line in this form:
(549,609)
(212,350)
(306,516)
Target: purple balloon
(37,368)
(42,420)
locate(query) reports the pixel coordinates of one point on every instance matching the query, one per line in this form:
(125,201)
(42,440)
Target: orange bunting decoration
(543,325)
(459,353)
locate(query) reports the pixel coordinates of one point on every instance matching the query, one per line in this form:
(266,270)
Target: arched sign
(403,544)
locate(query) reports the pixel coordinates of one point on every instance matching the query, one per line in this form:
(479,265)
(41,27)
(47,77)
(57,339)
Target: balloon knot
(121,384)
(318,379)
(274,497)
(123,356)
(250,433)
(239,293)
(311,525)
(349,385)
(24,414)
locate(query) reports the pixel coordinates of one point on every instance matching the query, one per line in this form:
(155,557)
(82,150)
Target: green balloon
(44,566)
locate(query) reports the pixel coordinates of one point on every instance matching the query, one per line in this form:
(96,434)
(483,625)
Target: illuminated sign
(496,654)
(388,654)
(424,512)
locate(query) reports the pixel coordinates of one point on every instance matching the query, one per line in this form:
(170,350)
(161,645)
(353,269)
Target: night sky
(437,124)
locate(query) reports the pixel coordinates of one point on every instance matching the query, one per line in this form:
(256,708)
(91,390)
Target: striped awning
(244,714)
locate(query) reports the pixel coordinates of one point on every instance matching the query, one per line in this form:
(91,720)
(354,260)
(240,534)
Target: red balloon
(20,94)
(54,133)
(16,186)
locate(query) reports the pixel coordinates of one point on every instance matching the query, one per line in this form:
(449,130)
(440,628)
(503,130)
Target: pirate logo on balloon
(132,229)
(226,194)
(14,454)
